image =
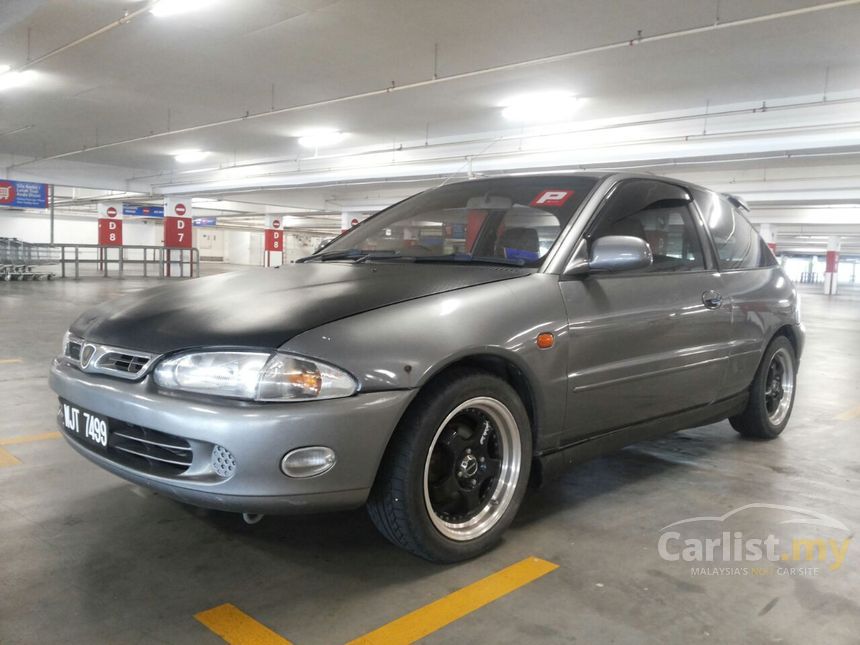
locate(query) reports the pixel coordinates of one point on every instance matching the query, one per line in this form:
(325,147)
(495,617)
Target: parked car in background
(433,359)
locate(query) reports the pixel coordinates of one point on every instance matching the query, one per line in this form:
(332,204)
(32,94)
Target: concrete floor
(88,558)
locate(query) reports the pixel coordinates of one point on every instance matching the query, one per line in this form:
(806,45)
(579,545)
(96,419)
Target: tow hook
(252,518)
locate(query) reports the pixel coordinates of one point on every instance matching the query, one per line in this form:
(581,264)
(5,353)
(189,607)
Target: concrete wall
(36,227)
(243,247)
(210,242)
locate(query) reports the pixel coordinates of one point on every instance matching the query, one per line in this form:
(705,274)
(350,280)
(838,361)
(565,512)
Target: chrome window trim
(93,365)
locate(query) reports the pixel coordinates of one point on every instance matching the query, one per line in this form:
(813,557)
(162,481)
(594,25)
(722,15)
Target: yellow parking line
(29,438)
(238,628)
(853,413)
(8,459)
(10,361)
(436,615)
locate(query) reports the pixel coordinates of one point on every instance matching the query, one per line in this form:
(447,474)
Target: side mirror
(611,253)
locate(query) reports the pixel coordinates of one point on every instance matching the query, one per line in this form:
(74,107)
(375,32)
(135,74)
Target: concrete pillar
(831,265)
(768,234)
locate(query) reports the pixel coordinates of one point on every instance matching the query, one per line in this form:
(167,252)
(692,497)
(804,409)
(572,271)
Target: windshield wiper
(348,254)
(449,257)
(359,256)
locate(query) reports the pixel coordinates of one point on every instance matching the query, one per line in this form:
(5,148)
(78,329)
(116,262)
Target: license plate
(88,426)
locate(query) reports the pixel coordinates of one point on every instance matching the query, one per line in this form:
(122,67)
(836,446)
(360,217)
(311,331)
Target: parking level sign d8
(110,232)
(177,232)
(274,240)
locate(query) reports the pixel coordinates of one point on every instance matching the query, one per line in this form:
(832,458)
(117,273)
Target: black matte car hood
(267,307)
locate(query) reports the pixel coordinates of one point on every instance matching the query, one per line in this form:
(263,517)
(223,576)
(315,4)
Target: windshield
(511,220)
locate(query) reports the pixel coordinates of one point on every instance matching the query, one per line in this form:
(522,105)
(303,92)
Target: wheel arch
(505,368)
(505,365)
(789,332)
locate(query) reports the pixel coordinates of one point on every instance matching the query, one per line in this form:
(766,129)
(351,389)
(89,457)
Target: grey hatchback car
(433,360)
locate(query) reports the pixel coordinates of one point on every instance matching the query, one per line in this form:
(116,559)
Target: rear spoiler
(737,201)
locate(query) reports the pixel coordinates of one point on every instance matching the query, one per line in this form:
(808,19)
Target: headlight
(254,375)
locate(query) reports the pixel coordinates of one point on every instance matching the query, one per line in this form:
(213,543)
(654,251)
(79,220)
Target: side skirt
(551,464)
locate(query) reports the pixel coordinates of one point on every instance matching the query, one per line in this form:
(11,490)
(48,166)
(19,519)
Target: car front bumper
(258,436)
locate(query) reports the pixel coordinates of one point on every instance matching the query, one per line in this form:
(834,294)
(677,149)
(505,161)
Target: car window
(738,244)
(658,213)
(514,220)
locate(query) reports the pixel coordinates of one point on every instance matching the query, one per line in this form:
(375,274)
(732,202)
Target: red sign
(111,211)
(177,231)
(552,198)
(276,223)
(354,222)
(110,232)
(179,209)
(7,192)
(274,240)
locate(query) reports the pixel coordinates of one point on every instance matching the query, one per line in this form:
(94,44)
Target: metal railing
(119,261)
(18,260)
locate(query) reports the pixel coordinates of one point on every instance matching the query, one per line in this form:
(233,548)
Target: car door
(753,285)
(646,343)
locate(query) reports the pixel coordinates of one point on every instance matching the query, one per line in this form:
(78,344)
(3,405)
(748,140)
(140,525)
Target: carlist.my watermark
(802,543)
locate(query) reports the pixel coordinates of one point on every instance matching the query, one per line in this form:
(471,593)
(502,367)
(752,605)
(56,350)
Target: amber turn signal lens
(310,382)
(545,340)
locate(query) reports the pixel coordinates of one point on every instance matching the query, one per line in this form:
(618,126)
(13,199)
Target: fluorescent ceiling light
(9,80)
(167,8)
(190,156)
(540,107)
(320,138)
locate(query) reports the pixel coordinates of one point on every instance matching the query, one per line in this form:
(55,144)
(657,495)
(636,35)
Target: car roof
(605,174)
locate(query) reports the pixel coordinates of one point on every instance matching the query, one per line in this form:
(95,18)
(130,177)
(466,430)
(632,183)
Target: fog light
(307,462)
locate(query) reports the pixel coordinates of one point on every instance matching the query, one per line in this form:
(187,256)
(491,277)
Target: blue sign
(457,232)
(23,194)
(138,210)
(204,221)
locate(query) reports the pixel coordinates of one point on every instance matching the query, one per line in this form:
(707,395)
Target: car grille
(113,361)
(148,450)
(144,450)
(128,363)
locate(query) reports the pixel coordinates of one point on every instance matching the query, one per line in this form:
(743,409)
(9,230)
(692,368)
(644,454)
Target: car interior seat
(519,243)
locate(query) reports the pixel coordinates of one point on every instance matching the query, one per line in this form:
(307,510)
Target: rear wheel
(456,470)
(772,393)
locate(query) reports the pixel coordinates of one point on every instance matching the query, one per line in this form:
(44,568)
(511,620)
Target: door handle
(712,299)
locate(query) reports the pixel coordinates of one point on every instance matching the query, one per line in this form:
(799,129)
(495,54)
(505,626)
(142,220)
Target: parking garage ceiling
(757,98)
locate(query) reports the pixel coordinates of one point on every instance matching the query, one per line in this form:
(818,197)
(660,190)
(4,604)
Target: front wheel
(771,394)
(456,470)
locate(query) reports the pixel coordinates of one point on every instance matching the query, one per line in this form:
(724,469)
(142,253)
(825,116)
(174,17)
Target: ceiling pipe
(555,133)
(127,17)
(216,185)
(638,40)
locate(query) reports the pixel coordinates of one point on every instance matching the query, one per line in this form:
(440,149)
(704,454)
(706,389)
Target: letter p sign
(552,198)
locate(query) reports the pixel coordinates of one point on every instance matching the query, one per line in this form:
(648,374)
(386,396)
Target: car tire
(456,469)
(771,394)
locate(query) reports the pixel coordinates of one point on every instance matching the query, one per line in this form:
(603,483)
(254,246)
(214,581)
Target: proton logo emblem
(87,355)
